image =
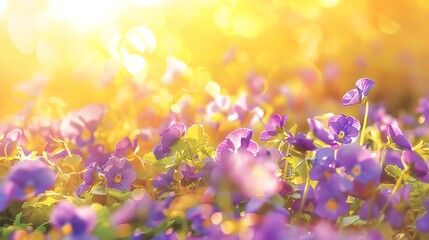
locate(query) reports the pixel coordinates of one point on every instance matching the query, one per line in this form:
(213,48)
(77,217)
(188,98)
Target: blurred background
(58,55)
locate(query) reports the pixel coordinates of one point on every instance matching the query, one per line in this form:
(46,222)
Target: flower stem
(383,155)
(362,134)
(307,186)
(285,168)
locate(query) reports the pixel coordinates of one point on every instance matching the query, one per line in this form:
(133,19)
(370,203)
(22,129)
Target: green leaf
(393,171)
(149,158)
(118,195)
(17,219)
(179,146)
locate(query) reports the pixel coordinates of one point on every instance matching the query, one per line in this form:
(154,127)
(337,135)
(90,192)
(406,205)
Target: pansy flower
(238,139)
(9,141)
(119,173)
(360,93)
(89,177)
(125,147)
(320,132)
(344,128)
(422,222)
(97,154)
(164,180)
(274,126)
(73,222)
(301,142)
(330,203)
(395,133)
(191,175)
(423,108)
(169,137)
(417,165)
(30,178)
(324,164)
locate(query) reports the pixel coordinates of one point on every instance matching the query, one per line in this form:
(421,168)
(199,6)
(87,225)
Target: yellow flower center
(341,135)
(67,229)
(332,204)
(356,170)
(118,178)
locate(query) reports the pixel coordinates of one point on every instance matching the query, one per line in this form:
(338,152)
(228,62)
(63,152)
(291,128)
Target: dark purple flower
(200,217)
(30,178)
(190,175)
(398,207)
(422,222)
(344,128)
(119,173)
(89,177)
(5,195)
(97,154)
(271,226)
(320,132)
(397,137)
(80,125)
(423,108)
(301,143)
(169,137)
(324,164)
(360,93)
(418,166)
(274,126)
(74,222)
(164,179)
(125,147)
(330,204)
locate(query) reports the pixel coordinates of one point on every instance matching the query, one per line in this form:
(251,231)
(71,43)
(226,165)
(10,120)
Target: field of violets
(223,119)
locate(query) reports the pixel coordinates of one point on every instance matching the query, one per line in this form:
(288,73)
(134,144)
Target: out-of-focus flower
(301,142)
(89,177)
(9,141)
(324,164)
(200,217)
(30,178)
(169,137)
(271,226)
(190,175)
(73,222)
(164,180)
(255,83)
(125,147)
(360,93)
(175,68)
(136,209)
(79,126)
(397,137)
(119,173)
(344,128)
(97,154)
(423,108)
(422,222)
(275,125)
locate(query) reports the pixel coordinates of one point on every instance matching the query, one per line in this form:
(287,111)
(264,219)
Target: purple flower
(418,166)
(89,177)
(190,175)
(164,180)
(344,128)
(320,132)
(301,143)
(30,178)
(199,217)
(324,164)
(119,173)
(9,142)
(125,147)
(97,154)
(330,204)
(136,209)
(74,222)
(80,125)
(238,139)
(422,222)
(169,137)
(397,137)
(423,108)
(360,93)
(274,126)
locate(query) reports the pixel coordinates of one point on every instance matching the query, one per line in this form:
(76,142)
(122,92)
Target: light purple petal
(351,97)
(364,85)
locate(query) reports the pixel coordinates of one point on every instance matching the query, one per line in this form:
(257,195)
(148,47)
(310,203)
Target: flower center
(29,191)
(341,135)
(332,204)
(327,174)
(67,229)
(86,134)
(118,178)
(356,170)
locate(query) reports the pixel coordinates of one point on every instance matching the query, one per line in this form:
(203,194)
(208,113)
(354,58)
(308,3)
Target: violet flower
(320,132)
(134,210)
(301,143)
(119,173)
(344,128)
(97,154)
(423,108)
(324,164)
(417,165)
(360,93)
(422,222)
(89,177)
(9,142)
(238,139)
(125,147)
(275,125)
(397,137)
(164,180)
(190,175)
(73,222)
(330,203)
(169,137)
(30,178)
